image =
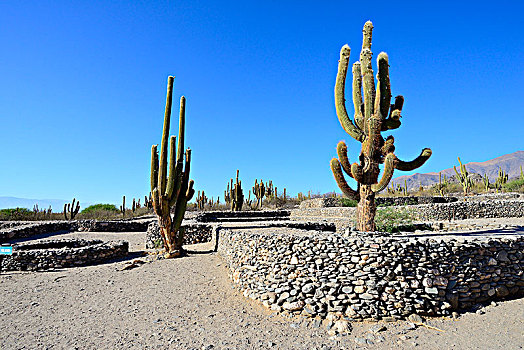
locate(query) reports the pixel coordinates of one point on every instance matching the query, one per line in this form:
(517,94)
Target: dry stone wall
(371,277)
(194,233)
(61,253)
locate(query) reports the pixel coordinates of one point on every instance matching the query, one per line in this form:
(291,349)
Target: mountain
(56,204)
(510,163)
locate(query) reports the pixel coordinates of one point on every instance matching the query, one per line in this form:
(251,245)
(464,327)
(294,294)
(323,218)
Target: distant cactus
(201,200)
(259,191)
(485,181)
(521,173)
(463,178)
(373,115)
(441,186)
(236,194)
(123,206)
(501,179)
(70,209)
(175,190)
(248,201)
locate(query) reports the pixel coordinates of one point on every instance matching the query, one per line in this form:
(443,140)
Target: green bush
(97,207)
(388,219)
(514,186)
(346,202)
(16,214)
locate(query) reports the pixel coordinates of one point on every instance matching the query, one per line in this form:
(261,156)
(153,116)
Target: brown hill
(510,163)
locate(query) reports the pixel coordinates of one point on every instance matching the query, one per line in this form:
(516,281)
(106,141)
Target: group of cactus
(42,213)
(463,177)
(71,210)
(135,205)
(202,200)
(398,189)
(502,178)
(234,195)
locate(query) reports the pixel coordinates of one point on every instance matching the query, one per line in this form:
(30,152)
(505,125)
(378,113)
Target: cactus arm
(172,169)
(415,163)
(393,121)
(162,169)
(368,81)
(357,172)
(357,95)
(342,152)
(389,167)
(389,146)
(341,182)
(340,100)
(183,180)
(382,104)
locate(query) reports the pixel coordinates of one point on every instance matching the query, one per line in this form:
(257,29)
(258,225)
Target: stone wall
(370,277)
(15,230)
(112,226)
(471,210)
(195,233)
(410,200)
(424,212)
(45,255)
(33,228)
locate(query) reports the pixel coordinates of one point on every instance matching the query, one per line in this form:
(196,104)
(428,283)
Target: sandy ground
(189,303)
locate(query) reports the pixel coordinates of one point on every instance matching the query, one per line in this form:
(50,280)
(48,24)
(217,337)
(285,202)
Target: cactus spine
(373,115)
(173,190)
(71,209)
(463,177)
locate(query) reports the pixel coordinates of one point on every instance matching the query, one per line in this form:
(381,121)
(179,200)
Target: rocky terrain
(189,303)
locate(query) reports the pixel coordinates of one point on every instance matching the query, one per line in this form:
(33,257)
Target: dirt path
(189,303)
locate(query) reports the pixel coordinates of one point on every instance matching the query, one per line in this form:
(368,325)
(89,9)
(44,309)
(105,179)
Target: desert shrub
(514,186)
(97,207)
(346,202)
(16,214)
(390,220)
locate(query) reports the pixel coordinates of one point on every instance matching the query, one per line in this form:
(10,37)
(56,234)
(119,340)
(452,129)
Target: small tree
(373,115)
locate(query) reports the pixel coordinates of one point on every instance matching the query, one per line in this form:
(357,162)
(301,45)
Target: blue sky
(82,88)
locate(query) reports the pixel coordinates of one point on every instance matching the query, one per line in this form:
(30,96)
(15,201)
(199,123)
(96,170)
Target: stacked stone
(370,277)
(28,229)
(471,210)
(194,233)
(61,253)
(112,226)
(427,212)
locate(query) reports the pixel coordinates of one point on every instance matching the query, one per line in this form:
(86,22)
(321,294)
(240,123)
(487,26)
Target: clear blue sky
(82,88)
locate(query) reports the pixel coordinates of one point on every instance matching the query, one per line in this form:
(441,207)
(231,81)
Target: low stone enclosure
(306,261)
(22,229)
(50,254)
(370,277)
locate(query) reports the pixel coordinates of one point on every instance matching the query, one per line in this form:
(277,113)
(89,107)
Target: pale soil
(189,303)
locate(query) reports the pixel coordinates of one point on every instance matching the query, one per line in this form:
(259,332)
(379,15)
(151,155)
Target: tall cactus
(373,115)
(485,180)
(175,190)
(463,177)
(70,209)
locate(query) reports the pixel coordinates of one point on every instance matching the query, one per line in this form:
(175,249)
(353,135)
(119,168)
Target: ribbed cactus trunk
(175,190)
(373,115)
